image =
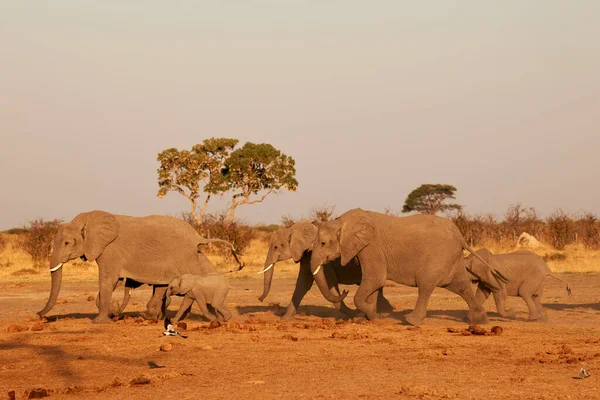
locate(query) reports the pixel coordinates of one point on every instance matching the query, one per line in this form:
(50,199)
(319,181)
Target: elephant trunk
(56,282)
(319,276)
(268,271)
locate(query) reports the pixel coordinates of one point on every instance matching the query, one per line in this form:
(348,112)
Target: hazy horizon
(501,100)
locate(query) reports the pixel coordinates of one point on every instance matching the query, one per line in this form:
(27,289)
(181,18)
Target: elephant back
(157,248)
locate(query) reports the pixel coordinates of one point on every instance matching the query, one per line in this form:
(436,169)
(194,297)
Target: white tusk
(56,268)
(317,270)
(266,269)
(130,290)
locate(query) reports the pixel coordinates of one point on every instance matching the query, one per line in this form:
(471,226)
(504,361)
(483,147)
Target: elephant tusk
(317,270)
(56,268)
(266,269)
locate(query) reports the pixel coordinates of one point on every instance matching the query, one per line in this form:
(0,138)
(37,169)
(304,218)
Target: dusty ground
(314,356)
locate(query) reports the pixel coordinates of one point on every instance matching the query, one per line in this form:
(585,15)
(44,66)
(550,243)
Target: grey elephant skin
(420,250)
(525,272)
(296,242)
(151,250)
(210,289)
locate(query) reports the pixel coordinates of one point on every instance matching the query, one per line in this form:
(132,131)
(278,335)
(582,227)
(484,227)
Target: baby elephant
(209,289)
(525,272)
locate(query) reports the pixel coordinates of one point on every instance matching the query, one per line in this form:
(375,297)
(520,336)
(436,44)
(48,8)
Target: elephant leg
(303,284)
(527,295)
(107,282)
(219,305)
(186,304)
(115,307)
(201,300)
(383,305)
(332,283)
(482,294)
(222,310)
(156,307)
(420,311)
(461,285)
(500,298)
(364,299)
(537,300)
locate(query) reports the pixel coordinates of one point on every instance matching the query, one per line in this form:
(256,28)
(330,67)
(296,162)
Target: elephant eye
(322,244)
(275,247)
(66,243)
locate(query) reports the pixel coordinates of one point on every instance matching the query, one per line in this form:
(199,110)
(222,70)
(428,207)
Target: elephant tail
(234,252)
(563,281)
(497,274)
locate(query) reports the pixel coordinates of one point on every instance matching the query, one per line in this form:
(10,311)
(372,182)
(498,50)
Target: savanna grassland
(317,355)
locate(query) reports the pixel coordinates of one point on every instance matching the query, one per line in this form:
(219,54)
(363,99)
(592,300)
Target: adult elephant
(150,250)
(296,242)
(420,250)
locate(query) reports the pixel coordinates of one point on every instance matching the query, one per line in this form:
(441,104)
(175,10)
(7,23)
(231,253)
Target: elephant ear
(481,271)
(302,236)
(354,235)
(99,230)
(186,283)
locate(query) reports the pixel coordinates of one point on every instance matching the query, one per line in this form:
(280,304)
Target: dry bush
(287,221)
(588,231)
(519,219)
(478,229)
(561,230)
(3,242)
(215,226)
(322,213)
(38,238)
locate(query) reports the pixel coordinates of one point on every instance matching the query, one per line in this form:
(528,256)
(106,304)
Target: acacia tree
(256,168)
(431,199)
(190,172)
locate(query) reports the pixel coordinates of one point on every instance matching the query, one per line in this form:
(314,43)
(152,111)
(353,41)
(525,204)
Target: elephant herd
(359,247)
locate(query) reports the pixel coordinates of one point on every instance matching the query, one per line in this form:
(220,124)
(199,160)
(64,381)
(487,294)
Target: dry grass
(17,266)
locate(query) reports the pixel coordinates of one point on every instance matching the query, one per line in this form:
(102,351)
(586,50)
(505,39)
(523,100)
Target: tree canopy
(431,199)
(190,172)
(256,168)
(251,172)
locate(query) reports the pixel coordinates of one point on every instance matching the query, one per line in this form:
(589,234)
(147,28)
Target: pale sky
(372,99)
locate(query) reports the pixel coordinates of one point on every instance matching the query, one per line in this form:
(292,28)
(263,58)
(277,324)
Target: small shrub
(588,228)
(322,213)
(16,231)
(554,257)
(287,221)
(267,228)
(215,226)
(38,239)
(3,242)
(561,230)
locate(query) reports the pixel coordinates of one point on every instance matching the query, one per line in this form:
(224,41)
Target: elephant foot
(510,314)
(478,317)
(150,315)
(288,316)
(538,318)
(413,319)
(101,319)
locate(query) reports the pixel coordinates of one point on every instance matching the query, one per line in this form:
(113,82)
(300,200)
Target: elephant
(425,251)
(208,289)
(156,307)
(525,272)
(296,242)
(152,250)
